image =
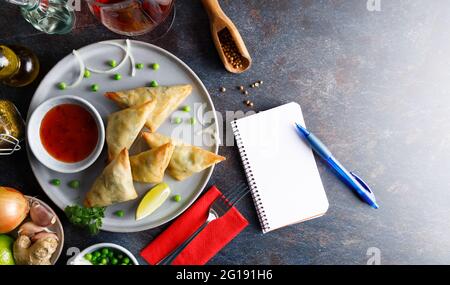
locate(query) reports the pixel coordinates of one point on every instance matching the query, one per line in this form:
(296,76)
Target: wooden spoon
(226,35)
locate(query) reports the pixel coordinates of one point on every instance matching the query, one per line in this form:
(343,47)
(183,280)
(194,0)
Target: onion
(41,216)
(130,55)
(127,54)
(14,209)
(82,69)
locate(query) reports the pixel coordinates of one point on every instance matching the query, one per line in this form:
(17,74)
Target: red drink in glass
(131,17)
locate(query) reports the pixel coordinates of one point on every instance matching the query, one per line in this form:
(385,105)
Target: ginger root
(37,253)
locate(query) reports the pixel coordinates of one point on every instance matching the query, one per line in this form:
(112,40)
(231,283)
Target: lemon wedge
(154,198)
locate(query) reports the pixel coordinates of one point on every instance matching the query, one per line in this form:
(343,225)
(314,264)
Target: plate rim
(112,228)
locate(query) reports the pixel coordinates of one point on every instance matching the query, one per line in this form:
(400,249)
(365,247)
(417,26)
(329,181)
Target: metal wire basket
(8,144)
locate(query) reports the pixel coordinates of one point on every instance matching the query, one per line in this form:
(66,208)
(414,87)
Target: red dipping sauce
(69,133)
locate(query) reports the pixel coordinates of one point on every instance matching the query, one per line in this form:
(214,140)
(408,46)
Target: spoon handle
(213,8)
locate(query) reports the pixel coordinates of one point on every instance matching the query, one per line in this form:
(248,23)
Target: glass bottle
(48,16)
(19,66)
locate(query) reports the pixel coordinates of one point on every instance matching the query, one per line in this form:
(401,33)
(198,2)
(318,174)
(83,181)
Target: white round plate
(172,71)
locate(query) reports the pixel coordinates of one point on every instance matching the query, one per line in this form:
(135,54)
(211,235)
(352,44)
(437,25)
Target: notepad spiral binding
(251,179)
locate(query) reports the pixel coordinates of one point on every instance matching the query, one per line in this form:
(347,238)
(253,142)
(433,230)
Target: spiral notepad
(280,167)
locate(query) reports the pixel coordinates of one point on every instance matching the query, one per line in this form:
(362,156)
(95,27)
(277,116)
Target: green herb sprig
(89,218)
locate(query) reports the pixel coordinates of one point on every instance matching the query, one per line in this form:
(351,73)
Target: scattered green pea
(95,87)
(126,260)
(153,83)
(139,66)
(55,182)
(155,66)
(119,213)
(114,261)
(177,120)
(192,121)
(62,85)
(186,108)
(112,63)
(96,254)
(119,256)
(88,256)
(87,74)
(105,251)
(74,184)
(104,261)
(177,198)
(117,76)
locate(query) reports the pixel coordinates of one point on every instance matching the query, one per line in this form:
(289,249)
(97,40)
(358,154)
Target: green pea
(95,87)
(74,184)
(177,120)
(111,254)
(113,63)
(55,182)
(104,261)
(155,66)
(139,66)
(177,198)
(88,256)
(119,213)
(186,108)
(153,83)
(119,256)
(117,76)
(62,85)
(192,121)
(96,254)
(87,74)
(126,260)
(105,251)
(114,261)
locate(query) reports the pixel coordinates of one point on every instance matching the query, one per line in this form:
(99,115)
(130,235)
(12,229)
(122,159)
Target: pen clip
(363,184)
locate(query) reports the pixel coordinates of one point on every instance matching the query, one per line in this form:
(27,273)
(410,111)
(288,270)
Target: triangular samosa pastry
(168,98)
(124,126)
(114,185)
(149,166)
(186,159)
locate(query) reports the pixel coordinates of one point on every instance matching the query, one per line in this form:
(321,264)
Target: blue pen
(353,181)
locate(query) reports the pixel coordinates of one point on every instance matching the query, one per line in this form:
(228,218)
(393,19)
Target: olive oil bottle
(19,66)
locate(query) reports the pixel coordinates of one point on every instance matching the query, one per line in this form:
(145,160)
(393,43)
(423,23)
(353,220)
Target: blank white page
(280,167)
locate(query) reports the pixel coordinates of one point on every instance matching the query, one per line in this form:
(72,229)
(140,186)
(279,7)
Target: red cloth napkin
(209,242)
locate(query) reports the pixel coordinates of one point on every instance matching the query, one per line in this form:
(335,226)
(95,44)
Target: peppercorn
(230,49)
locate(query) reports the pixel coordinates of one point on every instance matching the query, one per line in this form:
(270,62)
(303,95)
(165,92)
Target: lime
(6,255)
(154,198)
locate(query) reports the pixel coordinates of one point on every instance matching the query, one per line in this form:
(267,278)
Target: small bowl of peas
(105,254)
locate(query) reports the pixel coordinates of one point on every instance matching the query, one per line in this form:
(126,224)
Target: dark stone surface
(374,86)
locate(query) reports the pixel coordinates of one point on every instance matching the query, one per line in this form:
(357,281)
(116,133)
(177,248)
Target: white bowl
(39,151)
(80,260)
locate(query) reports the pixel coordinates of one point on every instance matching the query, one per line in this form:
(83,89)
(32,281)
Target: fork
(218,208)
